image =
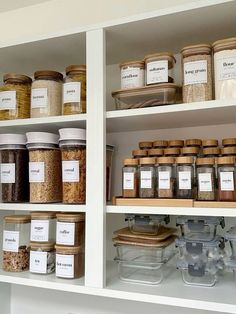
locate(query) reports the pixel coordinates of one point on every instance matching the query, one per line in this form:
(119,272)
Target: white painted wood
(42,207)
(5,298)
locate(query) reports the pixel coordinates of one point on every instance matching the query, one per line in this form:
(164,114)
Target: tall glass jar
(42,257)
(161,144)
(46,94)
(185,177)
(73,153)
(74,90)
(206,179)
(165,177)
(16,235)
(147,176)
(139,153)
(145,145)
(130,185)
(14,160)
(226,178)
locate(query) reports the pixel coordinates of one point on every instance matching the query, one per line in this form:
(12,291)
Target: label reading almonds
(39,98)
(11,241)
(70,171)
(195,72)
(128,181)
(157,72)
(65,233)
(36,171)
(8,100)
(65,266)
(164,180)
(8,172)
(225,68)
(227,181)
(71,92)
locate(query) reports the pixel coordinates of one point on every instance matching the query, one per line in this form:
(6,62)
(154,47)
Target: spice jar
(15,97)
(70,229)
(228,151)
(160,144)
(172,152)
(74,90)
(145,145)
(132,74)
(193,142)
(46,94)
(73,152)
(139,153)
(197,73)
(42,257)
(44,167)
(209,143)
(16,243)
(14,159)
(226,142)
(225,68)
(156,152)
(147,177)
(185,177)
(226,178)
(206,179)
(211,152)
(192,151)
(43,227)
(69,261)
(109,157)
(159,68)
(176,143)
(130,184)
(165,177)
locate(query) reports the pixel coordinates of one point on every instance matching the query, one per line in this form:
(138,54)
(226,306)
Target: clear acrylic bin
(231,237)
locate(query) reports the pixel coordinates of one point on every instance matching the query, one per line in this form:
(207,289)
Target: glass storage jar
(109,157)
(226,178)
(192,151)
(74,90)
(139,153)
(15,97)
(165,177)
(206,179)
(43,227)
(16,235)
(184,177)
(132,74)
(228,151)
(130,186)
(14,160)
(160,144)
(42,257)
(145,145)
(44,167)
(46,94)
(159,68)
(172,152)
(225,68)
(195,142)
(73,154)
(209,143)
(229,142)
(211,152)
(176,143)
(147,176)
(69,261)
(70,229)
(197,73)
(155,152)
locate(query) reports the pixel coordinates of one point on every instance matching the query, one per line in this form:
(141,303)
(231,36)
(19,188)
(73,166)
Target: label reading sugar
(185,180)
(8,100)
(128,181)
(146,179)
(164,180)
(39,98)
(11,241)
(225,68)
(38,262)
(157,72)
(65,233)
(195,72)
(8,173)
(226,181)
(132,77)
(70,171)
(205,182)
(71,92)
(36,171)
(39,230)
(65,266)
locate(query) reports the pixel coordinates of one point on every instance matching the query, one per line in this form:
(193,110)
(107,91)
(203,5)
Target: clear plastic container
(195,142)
(42,257)
(109,156)
(206,179)
(226,178)
(231,237)
(145,145)
(176,143)
(16,238)
(72,143)
(165,173)
(14,160)
(147,177)
(43,227)
(184,177)
(132,74)
(161,144)
(130,181)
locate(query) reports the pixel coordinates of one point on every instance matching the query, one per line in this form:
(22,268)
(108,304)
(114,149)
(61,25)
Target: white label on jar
(227,181)
(164,180)
(8,173)
(70,171)
(8,100)
(65,233)
(11,241)
(157,72)
(39,98)
(71,92)
(36,171)
(132,77)
(128,180)
(65,266)
(185,180)
(205,182)
(146,179)
(39,230)
(195,72)
(38,262)
(226,68)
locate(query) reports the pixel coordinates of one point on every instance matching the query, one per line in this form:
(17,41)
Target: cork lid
(226,160)
(137,63)
(139,153)
(184,160)
(205,161)
(171,151)
(44,246)
(147,161)
(209,143)
(61,249)
(20,219)
(43,215)
(71,217)
(201,49)
(145,145)
(190,150)
(176,143)
(75,68)
(161,56)
(160,143)
(229,142)
(228,150)
(211,151)
(130,162)
(49,75)
(165,160)
(16,78)
(224,44)
(193,142)
(155,152)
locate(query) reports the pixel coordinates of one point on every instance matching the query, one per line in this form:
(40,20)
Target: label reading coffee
(195,72)
(11,241)
(71,92)
(36,171)
(70,171)
(39,98)
(226,68)
(132,77)
(185,180)
(38,262)
(157,72)
(205,182)
(39,230)
(226,181)
(65,233)
(65,266)
(8,173)
(146,179)
(128,181)
(8,100)
(164,180)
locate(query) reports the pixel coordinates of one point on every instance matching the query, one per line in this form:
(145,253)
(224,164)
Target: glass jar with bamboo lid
(160,144)
(228,151)
(229,142)
(176,143)
(185,177)
(145,145)
(147,176)
(206,179)
(139,153)
(155,152)
(210,143)
(132,74)
(130,181)
(195,142)
(165,177)
(226,178)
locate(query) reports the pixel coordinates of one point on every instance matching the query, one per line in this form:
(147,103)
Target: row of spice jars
(47,95)
(168,177)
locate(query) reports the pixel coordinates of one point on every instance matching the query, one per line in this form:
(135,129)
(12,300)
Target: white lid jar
(43,226)
(132,74)
(42,257)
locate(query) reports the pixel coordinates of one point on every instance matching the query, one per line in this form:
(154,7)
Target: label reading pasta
(8,100)
(71,92)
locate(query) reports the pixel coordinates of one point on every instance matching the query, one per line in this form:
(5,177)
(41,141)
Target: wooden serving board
(216,204)
(120,201)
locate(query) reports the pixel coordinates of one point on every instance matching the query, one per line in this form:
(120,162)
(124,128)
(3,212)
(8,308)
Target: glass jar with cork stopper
(147,176)
(130,181)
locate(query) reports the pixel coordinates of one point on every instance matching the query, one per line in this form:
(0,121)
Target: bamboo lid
(229,141)
(21,219)
(209,143)
(155,152)
(176,143)
(43,215)
(16,78)
(205,161)
(211,151)
(61,249)
(45,246)
(48,74)
(184,160)
(201,49)
(193,142)
(165,160)
(224,44)
(147,161)
(138,63)
(171,151)
(161,56)
(71,217)
(190,150)
(160,143)
(139,153)
(75,68)
(145,145)
(228,150)
(226,160)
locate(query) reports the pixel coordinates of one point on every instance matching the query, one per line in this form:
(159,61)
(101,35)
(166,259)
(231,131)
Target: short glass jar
(176,143)
(132,74)
(206,179)
(228,151)
(74,90)
(139,153)
(165,177)
(73,154)
(229,142)
(155,152)
(225,68)
(147,177)
(226,178)
(130,181)
(46,94)
(145,145)
(161,144)
(14,162)
(195,142)
(42,257)
(16,235)
(43,227)
(184,177)
(210,143)
(197,73)
(44,167)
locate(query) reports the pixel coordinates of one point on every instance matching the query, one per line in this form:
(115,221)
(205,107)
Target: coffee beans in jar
(226,178)
(147,177)
(185,177)
(130,181)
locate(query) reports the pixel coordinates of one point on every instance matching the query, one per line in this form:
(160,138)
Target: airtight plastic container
(231,237)
(43,226)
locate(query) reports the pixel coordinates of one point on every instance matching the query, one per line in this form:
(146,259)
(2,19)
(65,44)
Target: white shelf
(43,207)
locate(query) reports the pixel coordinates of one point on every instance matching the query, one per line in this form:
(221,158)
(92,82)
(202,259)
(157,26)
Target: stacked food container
(231,237)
